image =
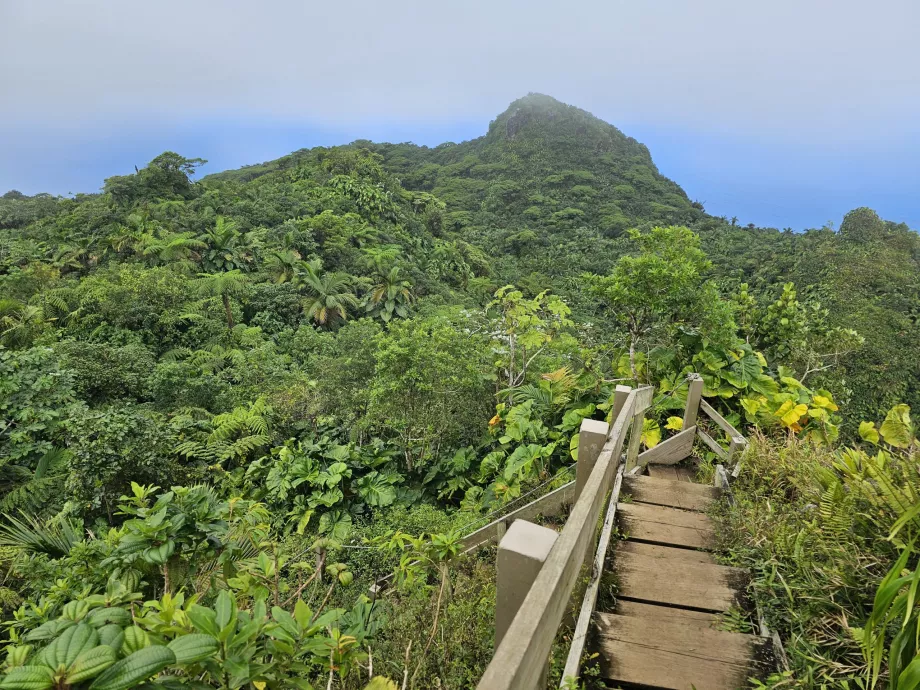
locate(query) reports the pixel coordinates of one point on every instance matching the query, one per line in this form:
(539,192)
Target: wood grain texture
(638,609)
(678,582)
(640,548)
(670,451)
(667,472)
(674,654)
(712,443)
(675,494)
(667,526)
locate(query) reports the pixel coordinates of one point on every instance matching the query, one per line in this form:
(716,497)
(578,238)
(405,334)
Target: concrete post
(591,439)
(694,394)
(521,554)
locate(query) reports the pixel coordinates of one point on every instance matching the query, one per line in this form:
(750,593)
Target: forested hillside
(229,405)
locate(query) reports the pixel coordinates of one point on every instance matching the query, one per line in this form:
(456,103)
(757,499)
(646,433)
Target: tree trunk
(228,311)
(632,358)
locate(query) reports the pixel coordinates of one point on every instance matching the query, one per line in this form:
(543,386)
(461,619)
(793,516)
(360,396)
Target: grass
(815,569)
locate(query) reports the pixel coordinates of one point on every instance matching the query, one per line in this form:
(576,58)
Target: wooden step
(665,492)
(663,525)
(669,578)
(672,472)
(678,655)
(637,609)
(640,548)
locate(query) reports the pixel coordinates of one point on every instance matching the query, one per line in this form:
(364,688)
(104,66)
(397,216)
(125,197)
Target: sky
(783,113)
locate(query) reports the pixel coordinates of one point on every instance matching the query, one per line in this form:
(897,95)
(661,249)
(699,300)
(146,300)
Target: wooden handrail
(522,656)
(737,443)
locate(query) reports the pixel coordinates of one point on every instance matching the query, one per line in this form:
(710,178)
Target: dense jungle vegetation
(229,406)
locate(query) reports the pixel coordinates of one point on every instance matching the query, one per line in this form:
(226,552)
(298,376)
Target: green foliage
(431,385)
(663,288)
(36,397)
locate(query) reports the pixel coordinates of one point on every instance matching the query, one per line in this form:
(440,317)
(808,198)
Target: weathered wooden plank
(588,602)
(625,607)
(524,651)
(667,526)
(635,438)
(712,443)
(666,472)
(677,582)
(675,494)
(550,504)
(686,474)
(640,548)
(694,395)
(670,451)
(732,432)
(675,655)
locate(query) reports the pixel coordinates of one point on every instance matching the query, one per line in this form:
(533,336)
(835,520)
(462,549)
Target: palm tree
(227,248)
(172,247)
(391,295)
(20,324)
(329,296)
(283,265)
(222,285)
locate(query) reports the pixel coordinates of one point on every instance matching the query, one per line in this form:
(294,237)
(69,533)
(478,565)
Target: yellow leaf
(259,684)
(651,433)
(791,417)
(825,402)
(675,423)
(380,683)
(868,432)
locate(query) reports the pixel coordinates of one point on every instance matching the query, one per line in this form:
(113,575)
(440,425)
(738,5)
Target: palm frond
(54,537)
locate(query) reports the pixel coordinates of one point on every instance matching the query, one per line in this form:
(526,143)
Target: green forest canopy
(346,333)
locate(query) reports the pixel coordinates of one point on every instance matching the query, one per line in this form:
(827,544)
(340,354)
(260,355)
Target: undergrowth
(814,541)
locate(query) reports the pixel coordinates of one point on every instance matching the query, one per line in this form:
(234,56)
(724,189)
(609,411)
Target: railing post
(591,439)
(635,436)
(619,399)
(693,400)
(521,554)
(637,427)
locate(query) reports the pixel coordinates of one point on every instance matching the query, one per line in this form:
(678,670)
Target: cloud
(831,67)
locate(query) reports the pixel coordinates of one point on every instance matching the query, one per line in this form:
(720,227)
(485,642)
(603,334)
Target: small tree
(662,286)
(526,327)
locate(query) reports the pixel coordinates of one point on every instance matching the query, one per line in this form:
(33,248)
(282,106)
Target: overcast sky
(784,113)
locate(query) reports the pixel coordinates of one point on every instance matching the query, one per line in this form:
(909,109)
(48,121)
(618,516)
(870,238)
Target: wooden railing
(521,658)
(737,442)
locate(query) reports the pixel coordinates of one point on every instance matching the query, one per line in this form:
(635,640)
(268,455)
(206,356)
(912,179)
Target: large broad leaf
(28,678)
(336,524)
(572,419)
(135,668)
(74,641)
(747,368)
(675,423)
(765,385)
(91,663)
(375,491)
(195,647)
(204,619)
(790,413)
(868,432)
(897,429)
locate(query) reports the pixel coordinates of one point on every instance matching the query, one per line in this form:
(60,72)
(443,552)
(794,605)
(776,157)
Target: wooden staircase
(664,631)
(667,626)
